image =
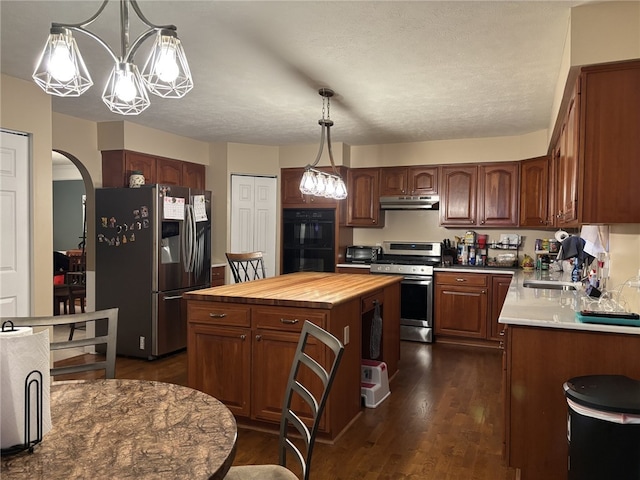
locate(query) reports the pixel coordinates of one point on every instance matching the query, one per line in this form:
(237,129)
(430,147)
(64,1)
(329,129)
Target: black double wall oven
(308,240)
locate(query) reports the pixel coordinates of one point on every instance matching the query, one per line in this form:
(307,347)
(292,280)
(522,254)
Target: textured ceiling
(402,71)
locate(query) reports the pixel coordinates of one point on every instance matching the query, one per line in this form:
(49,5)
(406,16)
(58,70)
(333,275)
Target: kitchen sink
(549,284)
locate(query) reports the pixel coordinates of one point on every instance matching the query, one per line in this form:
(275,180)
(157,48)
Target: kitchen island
(242,337)
(546,346)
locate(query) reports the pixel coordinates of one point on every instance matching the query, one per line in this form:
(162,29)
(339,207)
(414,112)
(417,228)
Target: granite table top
(106,429)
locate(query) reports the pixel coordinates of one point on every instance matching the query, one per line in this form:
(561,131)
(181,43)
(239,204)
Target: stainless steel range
(415,261)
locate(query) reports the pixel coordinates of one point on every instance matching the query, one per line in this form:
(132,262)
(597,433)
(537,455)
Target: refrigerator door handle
(188,239)
(174,297)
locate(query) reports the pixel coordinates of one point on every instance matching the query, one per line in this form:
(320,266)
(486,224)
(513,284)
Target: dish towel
(573,247)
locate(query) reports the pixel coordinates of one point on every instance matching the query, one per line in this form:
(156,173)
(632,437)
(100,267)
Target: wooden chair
(289,417)
(246,266)
(109,339)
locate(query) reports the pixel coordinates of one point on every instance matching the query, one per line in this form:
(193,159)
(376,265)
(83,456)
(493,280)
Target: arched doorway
(78,226)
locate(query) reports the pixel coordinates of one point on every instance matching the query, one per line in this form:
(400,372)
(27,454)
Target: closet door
(253,217)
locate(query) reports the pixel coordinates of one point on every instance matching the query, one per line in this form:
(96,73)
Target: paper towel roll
(561,235)
(22,351)
(596,239)
(16,332)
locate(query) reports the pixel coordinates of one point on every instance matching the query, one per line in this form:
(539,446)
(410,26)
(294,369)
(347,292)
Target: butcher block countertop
(300,289)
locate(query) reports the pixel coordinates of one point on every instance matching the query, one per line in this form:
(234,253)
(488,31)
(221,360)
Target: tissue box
(374,383)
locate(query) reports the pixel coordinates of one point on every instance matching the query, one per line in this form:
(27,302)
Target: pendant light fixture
(315,182)
(61,70)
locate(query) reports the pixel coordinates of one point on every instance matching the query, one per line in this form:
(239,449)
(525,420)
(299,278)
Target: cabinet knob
(483,291)
(217,315)
(258,337)
(243,337)
(482,222)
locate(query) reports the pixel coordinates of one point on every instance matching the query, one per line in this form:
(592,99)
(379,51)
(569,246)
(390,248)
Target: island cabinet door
(219,363)
(273,353)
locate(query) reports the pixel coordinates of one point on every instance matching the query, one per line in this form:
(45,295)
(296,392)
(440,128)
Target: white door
(253,217)
(15,292)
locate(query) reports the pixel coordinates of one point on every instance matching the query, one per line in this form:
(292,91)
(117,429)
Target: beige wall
(123,135)
(597,33)
(624,245)
(292,156)
(605,32)
(218,183)
(496,149)
(26,108)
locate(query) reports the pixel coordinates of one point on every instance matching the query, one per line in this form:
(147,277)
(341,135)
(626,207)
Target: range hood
(424,202)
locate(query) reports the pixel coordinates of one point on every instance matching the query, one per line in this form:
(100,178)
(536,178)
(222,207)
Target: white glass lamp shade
(340,192)
(308,183)
(124,92)
(166,72)
(330,187)
(321,185)
(61,70)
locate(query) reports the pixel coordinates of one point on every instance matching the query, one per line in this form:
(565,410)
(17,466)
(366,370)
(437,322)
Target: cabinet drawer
(287,319)
(219,313)
(369,302)
(217,276)
(467,279)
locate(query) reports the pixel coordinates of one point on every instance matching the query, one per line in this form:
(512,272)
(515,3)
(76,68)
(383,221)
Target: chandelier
(61,70)
(315,182)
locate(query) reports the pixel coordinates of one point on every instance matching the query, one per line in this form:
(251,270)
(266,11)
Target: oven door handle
(417,280)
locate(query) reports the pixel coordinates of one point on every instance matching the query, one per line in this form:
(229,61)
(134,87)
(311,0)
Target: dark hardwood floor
(443,420)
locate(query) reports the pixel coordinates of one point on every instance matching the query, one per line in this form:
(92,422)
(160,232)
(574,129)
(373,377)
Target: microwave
(362,254)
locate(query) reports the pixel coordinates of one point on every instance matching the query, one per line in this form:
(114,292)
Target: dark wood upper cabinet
(535,180)
(418,180)
(609,142)
(193,175)
(363,208)
(117,166)
(595,148)
(484,194)
(458,195)
(498,194)
(168,172)
(290,194)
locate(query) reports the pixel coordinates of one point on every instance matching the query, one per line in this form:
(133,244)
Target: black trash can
(603,427)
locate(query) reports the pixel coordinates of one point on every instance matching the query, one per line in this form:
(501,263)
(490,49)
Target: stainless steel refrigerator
(153,245)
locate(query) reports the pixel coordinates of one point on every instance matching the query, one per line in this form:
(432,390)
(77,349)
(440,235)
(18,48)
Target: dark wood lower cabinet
(538,362)
(467,307)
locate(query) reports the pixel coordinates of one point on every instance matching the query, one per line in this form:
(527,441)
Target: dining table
(119,429)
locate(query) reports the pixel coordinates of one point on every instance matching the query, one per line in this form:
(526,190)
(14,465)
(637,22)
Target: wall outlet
(141,343)
(345,337)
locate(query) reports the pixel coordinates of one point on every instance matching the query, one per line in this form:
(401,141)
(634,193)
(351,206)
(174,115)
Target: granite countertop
(130,429)
(300,289)
(539,307)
